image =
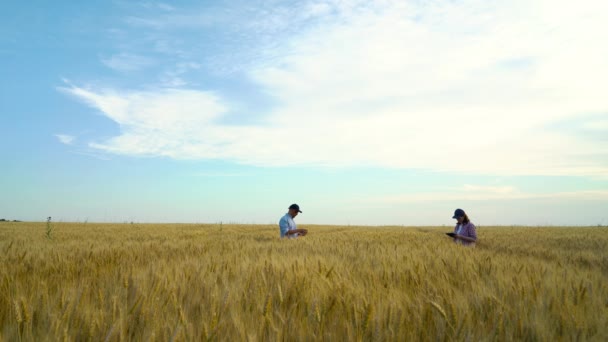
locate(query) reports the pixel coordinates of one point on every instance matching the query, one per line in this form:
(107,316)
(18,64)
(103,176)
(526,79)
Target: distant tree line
(4,220)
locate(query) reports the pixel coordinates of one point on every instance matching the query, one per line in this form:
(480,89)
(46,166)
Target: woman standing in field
(464,232)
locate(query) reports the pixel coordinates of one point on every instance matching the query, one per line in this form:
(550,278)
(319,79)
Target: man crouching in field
(288,226)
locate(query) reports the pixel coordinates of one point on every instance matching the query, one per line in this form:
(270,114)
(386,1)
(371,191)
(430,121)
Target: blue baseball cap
(458,213)
(296,207)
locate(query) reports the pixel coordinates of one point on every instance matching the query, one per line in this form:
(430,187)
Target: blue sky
(384,112)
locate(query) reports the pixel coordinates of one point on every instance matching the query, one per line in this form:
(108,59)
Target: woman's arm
(470,234)
(465,238)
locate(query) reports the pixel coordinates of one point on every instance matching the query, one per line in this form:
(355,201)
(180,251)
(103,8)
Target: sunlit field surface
(113,282)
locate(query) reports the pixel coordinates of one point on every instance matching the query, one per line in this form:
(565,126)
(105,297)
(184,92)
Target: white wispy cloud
(158,5)
(127,62)
(173,77)
(507,189)
(220,174)
(65,139)
(597,125)
(92,154)
(484,193)
(172,122)
(467,86)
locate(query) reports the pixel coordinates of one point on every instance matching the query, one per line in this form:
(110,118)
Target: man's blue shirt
(286,223)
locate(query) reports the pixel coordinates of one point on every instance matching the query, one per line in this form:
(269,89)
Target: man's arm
(284,226)
(297,231)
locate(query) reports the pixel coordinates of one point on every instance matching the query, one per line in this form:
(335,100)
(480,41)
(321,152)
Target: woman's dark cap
(458,213)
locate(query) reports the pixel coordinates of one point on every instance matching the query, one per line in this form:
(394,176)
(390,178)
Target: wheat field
(144,282)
